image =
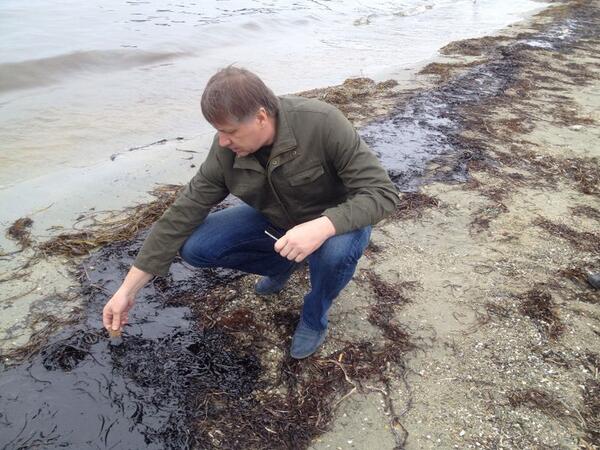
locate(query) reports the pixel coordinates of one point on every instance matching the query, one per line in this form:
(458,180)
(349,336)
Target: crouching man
(302,172)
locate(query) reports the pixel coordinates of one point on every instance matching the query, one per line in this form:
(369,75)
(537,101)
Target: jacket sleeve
(371,193)
(205,190)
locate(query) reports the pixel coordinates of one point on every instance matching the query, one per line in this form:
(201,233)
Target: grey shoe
(273,285)
(306,341)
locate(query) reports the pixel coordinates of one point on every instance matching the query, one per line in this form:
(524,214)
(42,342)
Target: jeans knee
(344,250)
(195,253)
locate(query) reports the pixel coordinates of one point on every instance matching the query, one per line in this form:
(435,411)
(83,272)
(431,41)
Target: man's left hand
(302,240)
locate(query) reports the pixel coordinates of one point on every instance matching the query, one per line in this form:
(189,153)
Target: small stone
(462,433)
(594,279)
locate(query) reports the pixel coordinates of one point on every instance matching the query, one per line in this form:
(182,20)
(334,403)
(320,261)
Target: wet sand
(469,323)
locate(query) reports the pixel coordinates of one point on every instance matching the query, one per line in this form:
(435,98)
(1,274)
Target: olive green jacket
(318,166)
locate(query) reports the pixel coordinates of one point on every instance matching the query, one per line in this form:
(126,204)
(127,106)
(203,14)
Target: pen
(270,235)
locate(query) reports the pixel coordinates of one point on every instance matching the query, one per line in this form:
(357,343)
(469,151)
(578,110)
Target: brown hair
(235,94)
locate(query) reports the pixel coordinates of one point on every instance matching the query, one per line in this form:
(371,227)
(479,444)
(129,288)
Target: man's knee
(344,249)
(196,253)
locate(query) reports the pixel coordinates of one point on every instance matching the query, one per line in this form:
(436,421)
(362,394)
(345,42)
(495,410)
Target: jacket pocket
(306,176)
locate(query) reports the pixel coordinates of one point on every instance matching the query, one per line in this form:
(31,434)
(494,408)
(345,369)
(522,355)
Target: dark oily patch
(136,395)
(424,138)
(189,372)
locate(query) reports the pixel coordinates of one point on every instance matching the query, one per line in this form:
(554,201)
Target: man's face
(242,138)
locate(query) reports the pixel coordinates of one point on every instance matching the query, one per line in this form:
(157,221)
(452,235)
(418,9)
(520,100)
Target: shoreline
(42,199)
(481,238)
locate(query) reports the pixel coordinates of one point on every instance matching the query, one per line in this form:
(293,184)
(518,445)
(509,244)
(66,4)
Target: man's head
(242,109)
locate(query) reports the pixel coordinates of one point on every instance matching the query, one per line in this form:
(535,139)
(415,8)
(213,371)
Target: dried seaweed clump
(584,172)
(116,227)
(586,211)
(20,231)
(539,307)
(539,400)
(387,297)
(585,241)
(591,411)
(584,291)
(445,71)
(358,98)
(473,46)
(412,205)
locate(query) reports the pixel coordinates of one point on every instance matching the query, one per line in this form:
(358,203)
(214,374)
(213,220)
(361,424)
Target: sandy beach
(470,322)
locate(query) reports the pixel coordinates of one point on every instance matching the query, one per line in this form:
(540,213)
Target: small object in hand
(273,233)
(594,279)
(115,337)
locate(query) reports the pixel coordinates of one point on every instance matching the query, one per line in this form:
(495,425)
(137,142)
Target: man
(303,173)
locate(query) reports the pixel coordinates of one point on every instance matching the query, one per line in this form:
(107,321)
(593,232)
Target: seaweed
(539,307)
(591,410)
(20,231)
(540,400)
(373,250)
(581,240)
(116,227)
(474,46)
(412,205)
(358,98)
(585,211)
(446,71)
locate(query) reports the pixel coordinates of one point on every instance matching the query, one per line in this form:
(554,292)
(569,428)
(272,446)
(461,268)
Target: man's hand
(302,240)
(116,310)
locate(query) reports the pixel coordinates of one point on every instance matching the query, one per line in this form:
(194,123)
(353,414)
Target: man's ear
(261,116)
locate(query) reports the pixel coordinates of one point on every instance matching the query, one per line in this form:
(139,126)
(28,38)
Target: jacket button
(274,162)
(294,153)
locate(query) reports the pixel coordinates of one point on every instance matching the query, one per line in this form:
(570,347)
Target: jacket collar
(284,137)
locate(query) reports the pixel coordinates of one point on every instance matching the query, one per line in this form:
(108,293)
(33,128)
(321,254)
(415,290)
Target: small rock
(594,279)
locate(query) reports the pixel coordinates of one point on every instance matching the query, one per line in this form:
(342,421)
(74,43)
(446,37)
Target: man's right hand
(116,310)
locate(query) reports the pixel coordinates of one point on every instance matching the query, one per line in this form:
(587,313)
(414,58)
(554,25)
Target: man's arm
(116,311)
(371,194)
(206,189)
(371,197)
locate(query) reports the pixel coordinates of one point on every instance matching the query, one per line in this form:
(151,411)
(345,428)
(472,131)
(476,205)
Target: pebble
(594,279)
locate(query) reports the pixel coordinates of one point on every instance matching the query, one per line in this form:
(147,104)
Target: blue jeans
(235,238)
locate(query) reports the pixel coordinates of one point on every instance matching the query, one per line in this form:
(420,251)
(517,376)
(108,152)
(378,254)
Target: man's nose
(224,141)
